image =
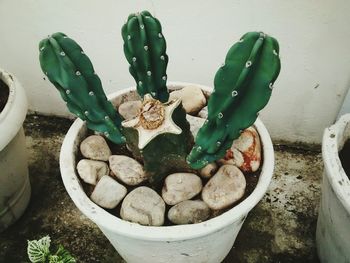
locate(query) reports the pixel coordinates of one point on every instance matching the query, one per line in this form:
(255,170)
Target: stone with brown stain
(245,151)
(144,206)
(225,188)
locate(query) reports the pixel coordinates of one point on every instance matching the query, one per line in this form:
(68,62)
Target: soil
(4,94)
(344,156)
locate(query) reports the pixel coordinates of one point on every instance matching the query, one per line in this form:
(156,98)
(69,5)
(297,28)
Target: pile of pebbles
(186,198)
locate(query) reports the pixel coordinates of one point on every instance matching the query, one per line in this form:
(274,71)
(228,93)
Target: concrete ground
(281,228)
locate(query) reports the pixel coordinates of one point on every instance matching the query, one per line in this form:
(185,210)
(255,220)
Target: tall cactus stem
(71,72)
(243,87)
(144,48)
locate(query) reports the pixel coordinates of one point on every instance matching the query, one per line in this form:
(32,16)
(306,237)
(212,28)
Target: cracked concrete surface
(281,228)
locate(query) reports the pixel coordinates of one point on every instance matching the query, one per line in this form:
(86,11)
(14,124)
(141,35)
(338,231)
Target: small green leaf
(38,250)
(64,256)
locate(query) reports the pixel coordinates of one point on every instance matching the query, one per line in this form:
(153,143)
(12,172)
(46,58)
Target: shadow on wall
(346,106)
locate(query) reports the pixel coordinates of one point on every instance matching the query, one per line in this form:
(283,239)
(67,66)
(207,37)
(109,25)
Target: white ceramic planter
(209,241)
(333,225)
(14,180)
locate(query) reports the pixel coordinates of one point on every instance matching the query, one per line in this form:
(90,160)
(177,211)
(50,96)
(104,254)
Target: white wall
(346,106)
(314,38)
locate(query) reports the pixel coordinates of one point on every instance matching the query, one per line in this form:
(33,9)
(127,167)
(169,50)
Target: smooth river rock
(192,97)
(209,170)
(95,147)
(189,212)
(225,188)
(179,187)
(144,206)
(127,169)
(203,113)
(245,151)
(108,192)
(129,109)
(91,171)
(196,123)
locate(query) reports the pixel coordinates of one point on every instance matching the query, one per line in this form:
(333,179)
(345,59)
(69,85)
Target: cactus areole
(160,135)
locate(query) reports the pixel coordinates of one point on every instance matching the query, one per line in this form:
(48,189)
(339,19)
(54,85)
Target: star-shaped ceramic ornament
(154,119)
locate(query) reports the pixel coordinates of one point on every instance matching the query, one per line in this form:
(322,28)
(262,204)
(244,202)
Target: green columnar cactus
(144,48)
(160,136)
(71,71)
(243,87)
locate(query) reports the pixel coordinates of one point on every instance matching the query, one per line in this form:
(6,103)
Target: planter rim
(332,142)
(105,220)
(15,110)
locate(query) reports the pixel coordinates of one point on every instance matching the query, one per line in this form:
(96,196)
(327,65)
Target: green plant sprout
(39,252)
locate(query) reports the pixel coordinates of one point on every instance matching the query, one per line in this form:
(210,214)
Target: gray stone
(245,152)
(91,171)
(203,113)
(127,169)
(209,170)
(129,109)
(225,188)
(189,212)
(192,97)
(179,187)
(95,147)
(196,123)
(108,192)
(144,206)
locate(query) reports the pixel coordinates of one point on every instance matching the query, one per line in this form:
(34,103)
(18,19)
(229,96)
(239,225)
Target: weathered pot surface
(209,241)
(14,181)
(333,232)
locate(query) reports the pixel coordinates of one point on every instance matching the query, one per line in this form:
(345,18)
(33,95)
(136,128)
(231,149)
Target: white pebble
(179,187)
(91,171)
(96,148)
(108,192)
(144,206)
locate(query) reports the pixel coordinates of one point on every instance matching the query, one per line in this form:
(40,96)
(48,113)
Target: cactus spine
(71,71)
(243,87)
(144,48)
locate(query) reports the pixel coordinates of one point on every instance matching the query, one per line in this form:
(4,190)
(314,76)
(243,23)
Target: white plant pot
(333,225)
(14,181)
(209,241)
